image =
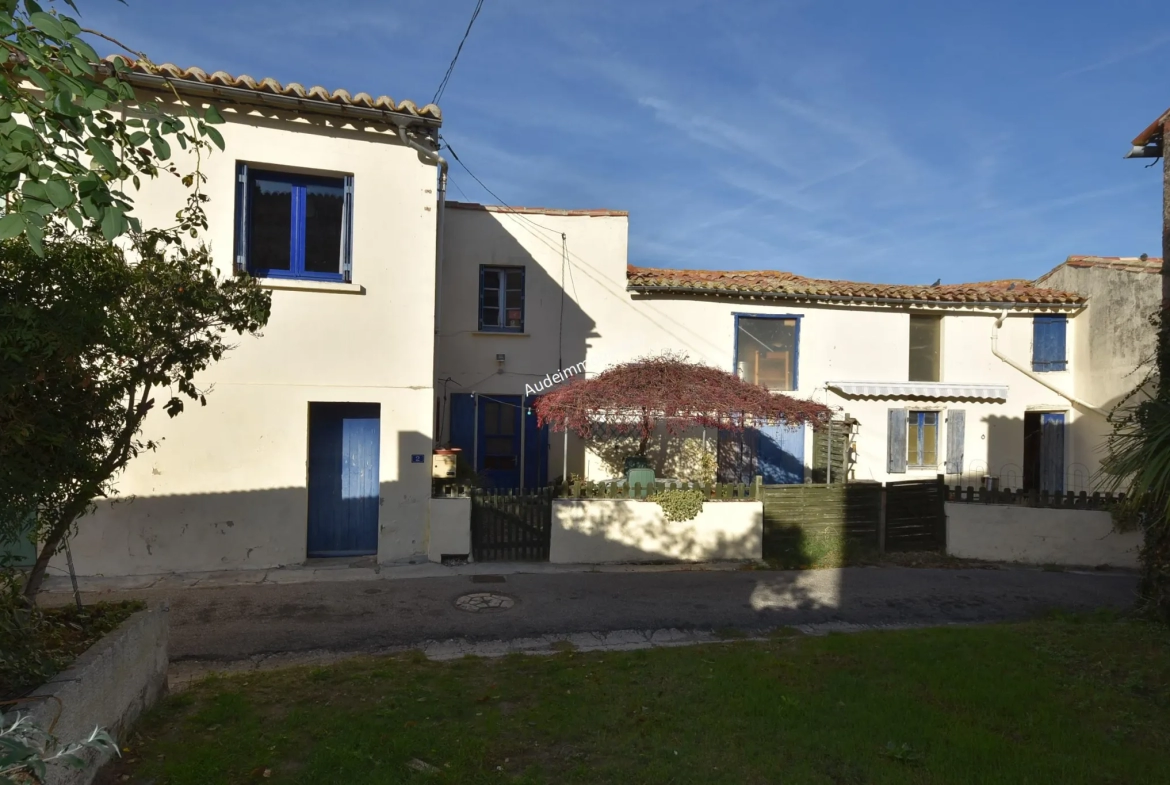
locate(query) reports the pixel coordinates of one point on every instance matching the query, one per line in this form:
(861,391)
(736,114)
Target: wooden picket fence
(1034,498)
(715,491)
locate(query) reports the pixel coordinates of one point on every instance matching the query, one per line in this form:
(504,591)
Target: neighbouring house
(968,380)
(1115,351)
(316,437)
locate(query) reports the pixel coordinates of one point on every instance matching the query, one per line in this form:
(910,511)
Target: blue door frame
(343,479)
(488,434)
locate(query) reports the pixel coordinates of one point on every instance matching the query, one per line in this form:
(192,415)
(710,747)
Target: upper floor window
(1048,343)
(925,348)
(293,225)
(765,351)
(501,299)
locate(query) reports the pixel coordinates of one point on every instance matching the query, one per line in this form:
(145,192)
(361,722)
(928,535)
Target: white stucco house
(402,322)
(967,380)
(316,437)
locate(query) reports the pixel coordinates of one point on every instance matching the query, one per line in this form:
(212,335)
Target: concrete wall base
(109,686)
(600,531)
(1037,535)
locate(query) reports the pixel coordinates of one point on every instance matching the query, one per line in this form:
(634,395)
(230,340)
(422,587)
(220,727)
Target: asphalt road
(237,622)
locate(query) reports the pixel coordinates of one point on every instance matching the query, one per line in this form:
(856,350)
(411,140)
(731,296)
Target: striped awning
(934,391)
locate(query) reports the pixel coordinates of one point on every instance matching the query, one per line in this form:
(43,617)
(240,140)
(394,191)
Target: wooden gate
(916,518)
(511,526)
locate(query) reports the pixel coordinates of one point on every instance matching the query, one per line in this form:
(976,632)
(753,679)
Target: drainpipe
(433,156)
(1035,376)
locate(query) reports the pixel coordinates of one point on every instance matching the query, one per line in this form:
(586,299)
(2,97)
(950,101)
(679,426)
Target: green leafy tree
(64,152)
(92,333)
(90,341)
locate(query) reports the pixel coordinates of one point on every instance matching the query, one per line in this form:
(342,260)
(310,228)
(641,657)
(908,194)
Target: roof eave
(256,97)
(1154,129)
(856,300)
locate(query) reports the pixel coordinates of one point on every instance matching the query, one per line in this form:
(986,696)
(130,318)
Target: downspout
(433,156)
(1035,376)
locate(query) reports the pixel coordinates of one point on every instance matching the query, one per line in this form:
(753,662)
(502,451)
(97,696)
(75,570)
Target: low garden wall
(449,532)
(109,686)
(1038,535)
(598,531)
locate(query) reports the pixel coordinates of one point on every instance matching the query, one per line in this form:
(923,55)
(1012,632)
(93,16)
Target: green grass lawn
(1053,701)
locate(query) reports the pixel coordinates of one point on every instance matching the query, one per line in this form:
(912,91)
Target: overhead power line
(451,68)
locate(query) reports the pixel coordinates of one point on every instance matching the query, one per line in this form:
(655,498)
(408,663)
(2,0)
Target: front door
(499,440)
(1044,451)
(487,428)
(343,479)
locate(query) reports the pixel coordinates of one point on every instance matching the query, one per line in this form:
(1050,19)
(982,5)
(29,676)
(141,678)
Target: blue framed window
(767,350)
(293,225)
(1048,343)
(922,439)
(501,299)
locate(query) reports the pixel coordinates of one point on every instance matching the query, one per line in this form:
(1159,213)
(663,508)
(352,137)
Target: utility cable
(451,68)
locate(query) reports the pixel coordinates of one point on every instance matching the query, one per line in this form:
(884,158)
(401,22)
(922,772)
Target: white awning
(934,391)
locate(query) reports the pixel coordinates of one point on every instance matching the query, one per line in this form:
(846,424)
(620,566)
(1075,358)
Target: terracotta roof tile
(1153,130)
(783,284)
(497,208)
(1132,264)
(271,86)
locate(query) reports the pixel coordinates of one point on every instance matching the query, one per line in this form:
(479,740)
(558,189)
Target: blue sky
(877,141)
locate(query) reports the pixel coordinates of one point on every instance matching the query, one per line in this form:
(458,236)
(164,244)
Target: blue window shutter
(481,297)
(1048,343)
(1059,332)
(241,260)
(347,233)
(896,442)
(522,291)
(956,437)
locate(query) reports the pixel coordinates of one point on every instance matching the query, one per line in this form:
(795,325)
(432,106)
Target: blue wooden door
(774,452)
(780,454)
(499,440)
(343,479)
(1052,452)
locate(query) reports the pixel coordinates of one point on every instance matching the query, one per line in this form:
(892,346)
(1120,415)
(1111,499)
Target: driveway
(236,622)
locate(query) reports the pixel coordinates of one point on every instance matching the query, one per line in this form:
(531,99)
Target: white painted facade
(227,486)
(1037,535)
(601,323)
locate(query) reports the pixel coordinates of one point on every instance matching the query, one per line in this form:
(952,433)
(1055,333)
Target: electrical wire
(451,68)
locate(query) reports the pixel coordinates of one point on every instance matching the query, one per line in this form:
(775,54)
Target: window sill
(500,332)
(299,285)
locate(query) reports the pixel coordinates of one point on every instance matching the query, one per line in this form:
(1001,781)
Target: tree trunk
(645,433)
(1164,326)
(36,575)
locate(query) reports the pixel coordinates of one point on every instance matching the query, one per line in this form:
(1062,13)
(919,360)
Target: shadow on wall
(687,456)
(558,335)
(1019,455)
(597,531)
(255,529)
(636,532)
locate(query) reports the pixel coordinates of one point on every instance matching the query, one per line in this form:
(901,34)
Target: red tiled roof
(498,208)
(1153,130)
(1129,264)
(788,285)
(1132,264)
(268,85)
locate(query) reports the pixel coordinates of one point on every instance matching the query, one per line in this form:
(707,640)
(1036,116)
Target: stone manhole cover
(481,601)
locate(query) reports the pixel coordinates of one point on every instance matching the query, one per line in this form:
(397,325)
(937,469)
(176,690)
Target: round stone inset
(482,601)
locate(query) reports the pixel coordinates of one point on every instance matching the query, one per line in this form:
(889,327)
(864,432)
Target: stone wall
(109,686)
